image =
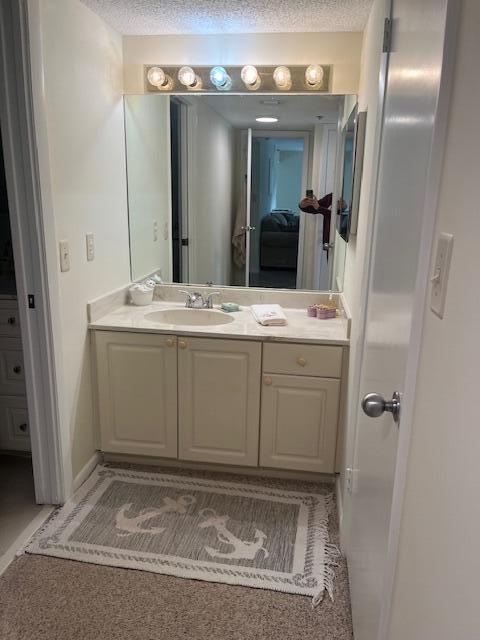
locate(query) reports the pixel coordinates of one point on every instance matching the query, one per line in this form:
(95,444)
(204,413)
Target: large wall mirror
(215,182)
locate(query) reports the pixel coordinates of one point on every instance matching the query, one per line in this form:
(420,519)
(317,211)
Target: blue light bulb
(219,77)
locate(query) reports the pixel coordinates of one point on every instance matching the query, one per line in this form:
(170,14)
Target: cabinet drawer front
(12,375)
(9,321)
(14,428)
(299,423)
(303,359)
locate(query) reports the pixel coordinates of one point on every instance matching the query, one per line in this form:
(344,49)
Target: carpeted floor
(42,597)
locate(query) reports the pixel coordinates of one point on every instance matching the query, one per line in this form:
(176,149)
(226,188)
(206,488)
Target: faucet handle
(189,296)
(208,299)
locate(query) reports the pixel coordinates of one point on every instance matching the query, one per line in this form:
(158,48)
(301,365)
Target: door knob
(170,342)
(182,344)
(375,405)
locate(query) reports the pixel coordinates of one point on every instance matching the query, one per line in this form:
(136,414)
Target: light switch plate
(64,256)
(90,242)
(441,270)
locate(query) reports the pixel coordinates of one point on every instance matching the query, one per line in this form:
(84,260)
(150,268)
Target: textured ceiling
(160,17)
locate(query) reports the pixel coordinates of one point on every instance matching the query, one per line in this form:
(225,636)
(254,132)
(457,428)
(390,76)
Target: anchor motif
(243,549)
(133,525)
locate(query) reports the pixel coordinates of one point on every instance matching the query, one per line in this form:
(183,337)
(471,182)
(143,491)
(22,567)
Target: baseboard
(222,468)
(24,536)
(87,469)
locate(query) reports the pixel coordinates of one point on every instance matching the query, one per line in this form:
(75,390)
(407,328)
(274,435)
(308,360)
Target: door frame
(35,255)
(439,136)
(306,136)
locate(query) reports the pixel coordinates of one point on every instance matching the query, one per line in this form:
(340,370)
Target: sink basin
(193,317)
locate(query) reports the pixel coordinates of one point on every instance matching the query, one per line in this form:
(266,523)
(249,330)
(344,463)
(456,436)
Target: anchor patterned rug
(190,527)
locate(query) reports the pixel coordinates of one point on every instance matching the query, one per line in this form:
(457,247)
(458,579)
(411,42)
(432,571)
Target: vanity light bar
(238,79)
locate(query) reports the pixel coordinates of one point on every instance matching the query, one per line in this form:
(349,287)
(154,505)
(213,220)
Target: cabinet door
(137,393)
(299,422)
(219,400)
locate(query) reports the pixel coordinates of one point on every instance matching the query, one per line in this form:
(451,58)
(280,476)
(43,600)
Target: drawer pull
(17,369)
(12,320)
(182,344)
(301,361)
(170,342)
(267,380)
(23,427)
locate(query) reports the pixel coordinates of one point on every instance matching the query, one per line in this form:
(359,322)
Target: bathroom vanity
(229,391)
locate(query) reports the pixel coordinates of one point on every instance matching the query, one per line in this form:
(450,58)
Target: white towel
(268,314)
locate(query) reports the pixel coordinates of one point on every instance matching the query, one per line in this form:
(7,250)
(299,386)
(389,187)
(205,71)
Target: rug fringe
(331,556)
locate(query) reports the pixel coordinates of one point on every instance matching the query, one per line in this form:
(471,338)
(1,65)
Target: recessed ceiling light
(266,119)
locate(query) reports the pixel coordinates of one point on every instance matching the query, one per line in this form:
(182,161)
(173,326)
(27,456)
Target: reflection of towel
(239,238)
(268,314)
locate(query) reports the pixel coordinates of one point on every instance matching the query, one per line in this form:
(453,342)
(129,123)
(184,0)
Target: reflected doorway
(278,179)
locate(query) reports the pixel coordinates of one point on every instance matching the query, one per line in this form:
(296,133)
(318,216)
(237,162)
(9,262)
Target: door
(219,400)
(408,123)
(311,404)
(137,393)
(278,170)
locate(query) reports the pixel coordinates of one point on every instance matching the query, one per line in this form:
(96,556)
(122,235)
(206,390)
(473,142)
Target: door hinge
(387,35)
(31,301)
(184,242)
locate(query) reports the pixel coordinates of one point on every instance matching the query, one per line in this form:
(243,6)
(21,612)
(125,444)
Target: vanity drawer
(9,320)
(303,360)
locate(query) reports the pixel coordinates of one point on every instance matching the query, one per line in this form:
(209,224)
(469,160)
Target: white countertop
(300,327)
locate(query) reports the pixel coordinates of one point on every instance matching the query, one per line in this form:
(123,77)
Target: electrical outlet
(165,231)
(155,231)
(64,256)
(441,270)
(348,479)
(90,241)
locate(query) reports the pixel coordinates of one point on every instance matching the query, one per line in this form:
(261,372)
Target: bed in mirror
(215,184)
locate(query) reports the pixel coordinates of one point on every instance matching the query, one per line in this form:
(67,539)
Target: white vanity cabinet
(137,392)
(219,400)
(225,401)
(300,406)
(14,427)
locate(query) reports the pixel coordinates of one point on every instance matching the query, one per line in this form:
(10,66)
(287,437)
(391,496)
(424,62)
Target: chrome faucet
(196,300)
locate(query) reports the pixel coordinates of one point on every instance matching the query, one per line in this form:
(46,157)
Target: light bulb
(282,77)
(187,77)
(267,119)
(249,75)
(156,76)
(314,75)
(220,78)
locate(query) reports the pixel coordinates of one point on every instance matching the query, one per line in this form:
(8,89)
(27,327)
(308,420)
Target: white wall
(82,62)
(211,183)
(147,132)
(355,249)
(342,50)
(436,586)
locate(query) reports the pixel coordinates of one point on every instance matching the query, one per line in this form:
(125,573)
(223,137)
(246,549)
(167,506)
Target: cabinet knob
(301,361)
(182,344)
(267,380)
(17,369)
(170,342)
(12,320)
